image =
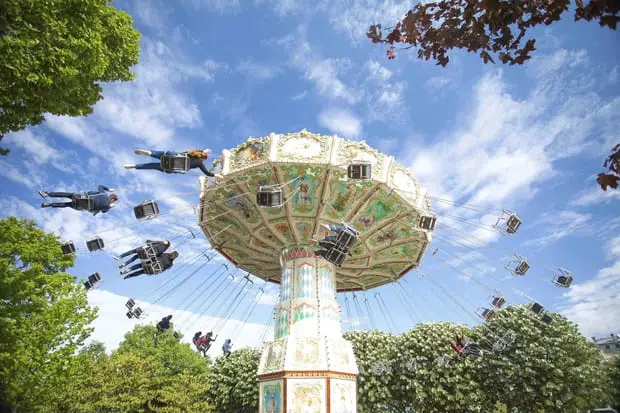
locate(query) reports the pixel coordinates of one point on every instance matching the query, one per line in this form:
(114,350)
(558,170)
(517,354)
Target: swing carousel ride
(317,215)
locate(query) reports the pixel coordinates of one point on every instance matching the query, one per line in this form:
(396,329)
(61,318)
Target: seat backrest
(176,163)
(68,248)
(83,203)
(95,244)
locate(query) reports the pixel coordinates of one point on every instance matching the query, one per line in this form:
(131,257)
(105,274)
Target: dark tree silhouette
(486,27)
(612,163)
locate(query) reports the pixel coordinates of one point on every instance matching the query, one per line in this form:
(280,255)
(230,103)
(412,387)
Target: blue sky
(212,73)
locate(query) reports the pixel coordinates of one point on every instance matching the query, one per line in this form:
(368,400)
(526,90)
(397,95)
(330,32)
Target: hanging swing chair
(562,278)
(175,163)
(95,244)
(427,222)
(68,248)
(92,280)
(360,170)
(517,265)
(269,196)
(146,210)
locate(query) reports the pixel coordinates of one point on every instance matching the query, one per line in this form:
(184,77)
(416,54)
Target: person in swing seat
(196,160)
(166,260)
(99,200)
(159,247)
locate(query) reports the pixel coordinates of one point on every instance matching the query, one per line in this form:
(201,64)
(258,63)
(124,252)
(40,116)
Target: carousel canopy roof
(311,170)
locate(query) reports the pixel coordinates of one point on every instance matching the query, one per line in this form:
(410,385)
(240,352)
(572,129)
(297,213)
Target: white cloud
(559,225)
(112,324)
(594,196)
(35,145)
(341,121)
(378,71)
(31,179)
(300,95)
(221,6)
(594,303)
(151,108)
(323,72)
(504,147)
(260,71)
(356,16)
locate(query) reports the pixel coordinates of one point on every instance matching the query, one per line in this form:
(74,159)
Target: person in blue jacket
(196,160)
(226,347)
(101,200)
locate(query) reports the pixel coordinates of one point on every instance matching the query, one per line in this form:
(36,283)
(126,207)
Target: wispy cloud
(594,196)
(341,121)
(506,146)
(323,72)
(594,303)
(559,225)
(260,71)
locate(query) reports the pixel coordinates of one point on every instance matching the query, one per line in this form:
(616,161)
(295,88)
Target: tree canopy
(44,314)
(55,53)
(494,29)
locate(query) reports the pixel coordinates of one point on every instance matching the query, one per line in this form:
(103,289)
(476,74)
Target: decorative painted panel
(304,312)
(330,312)
(275,356)
(271,397)
(249,153)
(305,285)
(303,146)
(282,324)
(304,189)
(306,396)
(286,285)
(306,353)
(343,396)
(326,277)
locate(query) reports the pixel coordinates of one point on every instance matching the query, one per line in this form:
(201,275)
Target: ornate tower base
(309,367)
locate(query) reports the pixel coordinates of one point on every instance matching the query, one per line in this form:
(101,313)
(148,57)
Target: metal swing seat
(175,163)
(95,244)
(536,308)
(135,313)
(498,301)
(546,318)
(427,222)
(508,223)
(146,253)
(130,304)
(152,266)
(146,210)
(360,170)
(336,256)
(562,278)
(503,342)
(270,196)
(92,280)
(347,238)
(67,248)
(518,265)
(485,313)
(83,202)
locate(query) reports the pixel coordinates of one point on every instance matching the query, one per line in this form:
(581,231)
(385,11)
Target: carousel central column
(308,367)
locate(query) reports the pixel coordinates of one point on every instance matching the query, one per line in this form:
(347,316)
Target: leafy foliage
(613,374)
(55,53)
(138,377)
(234,382)
(432,377)
(45,314)
(550,368)
(485,27)
(375,352)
